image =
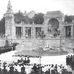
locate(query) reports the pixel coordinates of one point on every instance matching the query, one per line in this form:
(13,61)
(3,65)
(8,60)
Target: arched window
(54,23)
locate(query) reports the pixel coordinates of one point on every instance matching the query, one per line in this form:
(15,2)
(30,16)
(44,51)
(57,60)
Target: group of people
(58,69)
(25,60)
(51,69)
(34,69)
(23,66)
(11,70)
(70,61)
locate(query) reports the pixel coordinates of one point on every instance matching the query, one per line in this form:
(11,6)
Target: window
(38,31)
(54,23)
(18,32)
(68,31)
(28,32)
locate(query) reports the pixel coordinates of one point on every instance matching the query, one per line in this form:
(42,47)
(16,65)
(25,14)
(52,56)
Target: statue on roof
(9,7)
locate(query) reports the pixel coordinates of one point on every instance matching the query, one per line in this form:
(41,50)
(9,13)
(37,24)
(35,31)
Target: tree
(2,26)
(38,18)
(68,19)
(18,17)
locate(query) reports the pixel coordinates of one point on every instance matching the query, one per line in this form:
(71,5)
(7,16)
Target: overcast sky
(66,6)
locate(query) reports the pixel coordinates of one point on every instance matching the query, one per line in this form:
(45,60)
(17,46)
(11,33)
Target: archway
(53,25)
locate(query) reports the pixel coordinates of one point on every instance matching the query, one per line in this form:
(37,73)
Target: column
(24,32)
(46,31)
(62,31)
(72,31)
(33,35)
(13,33)
(65,31)
(46,27)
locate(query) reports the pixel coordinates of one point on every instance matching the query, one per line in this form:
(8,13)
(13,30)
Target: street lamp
(60,42)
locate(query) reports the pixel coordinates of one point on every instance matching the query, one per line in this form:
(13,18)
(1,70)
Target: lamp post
(60,44)
(42,36)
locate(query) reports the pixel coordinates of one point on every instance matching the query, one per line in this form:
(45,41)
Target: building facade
(32,35)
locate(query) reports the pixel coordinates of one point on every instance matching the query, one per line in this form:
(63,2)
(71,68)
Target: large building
(30,35)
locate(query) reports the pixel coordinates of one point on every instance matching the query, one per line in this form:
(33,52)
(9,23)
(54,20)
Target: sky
(65,6)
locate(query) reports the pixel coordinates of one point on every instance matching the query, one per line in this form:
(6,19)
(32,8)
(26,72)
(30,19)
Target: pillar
(46,31)
(23,32)
(33,35)
(72,31)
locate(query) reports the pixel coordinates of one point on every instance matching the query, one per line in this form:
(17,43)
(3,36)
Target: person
(72,62)
(0,71)
(56,71)
(73,49)
(28,60)
(68,60)
(59,69)
(16,72)
(32,71)
(52,69)
(0,68)
(11,71)
(39,69)
(23,70)
(35,68)
(69,70)
(24,61)
(4,71)
(48,71)
(64,71)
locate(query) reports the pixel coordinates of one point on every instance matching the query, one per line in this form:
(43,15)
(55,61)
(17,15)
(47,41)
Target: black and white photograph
(36,36)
